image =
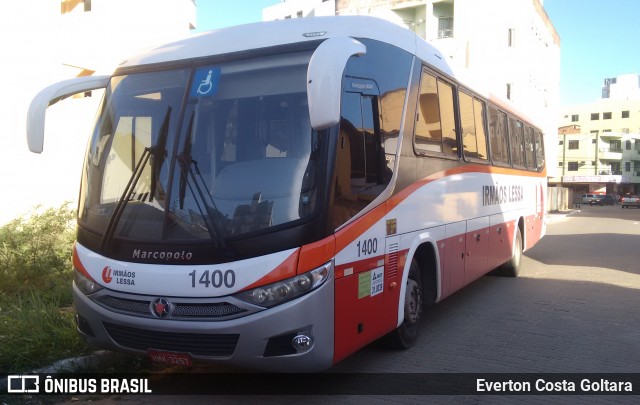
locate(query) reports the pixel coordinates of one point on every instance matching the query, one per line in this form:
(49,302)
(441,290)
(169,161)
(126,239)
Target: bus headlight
(282,291)
(85,284)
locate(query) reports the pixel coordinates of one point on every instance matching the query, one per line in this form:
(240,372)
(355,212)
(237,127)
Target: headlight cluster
(286,290)
(85,285)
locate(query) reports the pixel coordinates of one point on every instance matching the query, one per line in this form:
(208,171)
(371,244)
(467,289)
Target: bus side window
(472,122)
(435,129)
(516,140)
(428,132)
(529,145)
(448,118)
(498,136)
(539,151)
(360,167)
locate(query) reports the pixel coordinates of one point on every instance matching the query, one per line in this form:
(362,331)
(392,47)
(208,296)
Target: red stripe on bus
(77,263)
(318,253)
(284,270)
(360,266)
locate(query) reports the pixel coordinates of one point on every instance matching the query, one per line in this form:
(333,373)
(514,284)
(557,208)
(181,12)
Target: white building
(299,9)
(622,87)
(509,46)
(46,41)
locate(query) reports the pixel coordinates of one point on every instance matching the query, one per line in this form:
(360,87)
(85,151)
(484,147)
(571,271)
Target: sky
(597,39)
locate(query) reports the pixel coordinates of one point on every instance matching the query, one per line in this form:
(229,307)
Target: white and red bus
(278,195)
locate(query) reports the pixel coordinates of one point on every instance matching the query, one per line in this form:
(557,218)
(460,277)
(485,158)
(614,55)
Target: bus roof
(262,35)
(290,31)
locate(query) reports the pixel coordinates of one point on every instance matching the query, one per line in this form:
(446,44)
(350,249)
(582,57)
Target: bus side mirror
(51,95)
(324,79)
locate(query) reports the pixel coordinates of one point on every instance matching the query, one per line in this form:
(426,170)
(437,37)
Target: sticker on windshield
(205,82)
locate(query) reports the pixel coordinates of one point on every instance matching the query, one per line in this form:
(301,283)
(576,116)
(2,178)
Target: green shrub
(36,321)
(35,255)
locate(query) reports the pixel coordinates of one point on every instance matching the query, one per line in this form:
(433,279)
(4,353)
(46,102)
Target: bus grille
(181,310)
(194,343)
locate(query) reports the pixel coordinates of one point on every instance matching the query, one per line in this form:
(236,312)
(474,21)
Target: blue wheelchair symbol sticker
(205,82)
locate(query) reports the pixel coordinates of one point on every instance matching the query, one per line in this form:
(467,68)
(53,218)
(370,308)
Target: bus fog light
(302,342)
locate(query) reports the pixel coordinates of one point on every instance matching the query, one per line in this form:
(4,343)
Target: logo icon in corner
(106,275)
(160,307)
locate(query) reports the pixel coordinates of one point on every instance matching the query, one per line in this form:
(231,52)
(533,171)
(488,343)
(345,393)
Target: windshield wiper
(157,155)
(189,176)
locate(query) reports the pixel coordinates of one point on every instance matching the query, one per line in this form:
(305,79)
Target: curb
(70,365)
(556,216)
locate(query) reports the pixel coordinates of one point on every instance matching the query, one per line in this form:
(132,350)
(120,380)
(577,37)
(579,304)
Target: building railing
(610,150)
(610,173)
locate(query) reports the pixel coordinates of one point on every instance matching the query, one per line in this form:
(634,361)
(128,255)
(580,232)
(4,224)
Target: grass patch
(36,318)
(36,332)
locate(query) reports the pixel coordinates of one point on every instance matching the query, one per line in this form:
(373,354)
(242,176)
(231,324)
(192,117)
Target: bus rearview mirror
(324,79)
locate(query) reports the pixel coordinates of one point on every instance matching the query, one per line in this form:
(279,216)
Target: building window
(615,146)
(606,116)
(561,143)
(627,166)
(625,114)
(445,27)
(299,15)
(509,91)
(572,166)
(627,145)
(575,118)
(512,37)
(593,141)
(559,164)
(595,116)
(574,144)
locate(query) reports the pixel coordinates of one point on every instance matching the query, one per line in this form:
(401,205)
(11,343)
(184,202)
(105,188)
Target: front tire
(405,335)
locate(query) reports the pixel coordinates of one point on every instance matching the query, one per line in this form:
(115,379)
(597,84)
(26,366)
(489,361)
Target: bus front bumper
(263,340)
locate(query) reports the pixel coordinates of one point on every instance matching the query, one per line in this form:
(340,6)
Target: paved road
(574,309)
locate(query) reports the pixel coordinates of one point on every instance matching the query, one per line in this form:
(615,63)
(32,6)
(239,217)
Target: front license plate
(176,359)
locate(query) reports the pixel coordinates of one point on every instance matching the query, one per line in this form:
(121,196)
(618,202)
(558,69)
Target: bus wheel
(512,266)
(406,334)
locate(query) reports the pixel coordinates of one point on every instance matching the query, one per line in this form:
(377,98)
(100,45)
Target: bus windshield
(204,153)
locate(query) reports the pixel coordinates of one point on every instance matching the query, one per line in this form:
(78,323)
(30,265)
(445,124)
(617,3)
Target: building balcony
(610,154)
(607,136)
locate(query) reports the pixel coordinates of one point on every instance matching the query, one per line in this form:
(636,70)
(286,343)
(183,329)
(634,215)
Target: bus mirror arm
(324,79)
(51,95)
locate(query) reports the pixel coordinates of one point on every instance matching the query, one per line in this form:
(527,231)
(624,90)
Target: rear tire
(405,335)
